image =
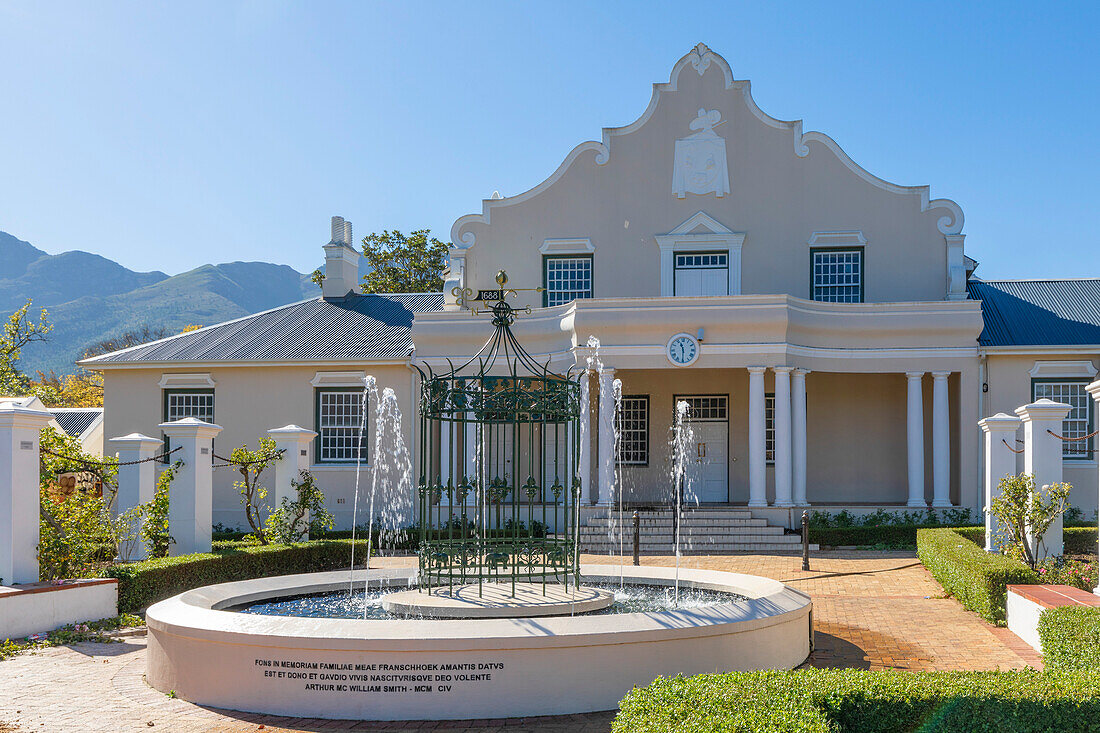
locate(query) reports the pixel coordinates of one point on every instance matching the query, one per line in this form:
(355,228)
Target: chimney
(341,262)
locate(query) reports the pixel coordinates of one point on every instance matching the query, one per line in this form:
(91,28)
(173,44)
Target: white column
(941,441)
(758,487)
(914,428)
(584,460)
(19,498)
(1094,390)
(1043,460)
(782,436)
(190,499)
(798,432)
(1000,461)
(137,482)
(607,435)
(294,442)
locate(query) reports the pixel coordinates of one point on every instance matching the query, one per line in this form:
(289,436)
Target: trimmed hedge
(976,578)
(828,700)
(1071,638)
(141,584)
(886,535)
(1080,540)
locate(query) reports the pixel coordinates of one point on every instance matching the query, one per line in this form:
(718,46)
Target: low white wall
(1023,619)
(26,610)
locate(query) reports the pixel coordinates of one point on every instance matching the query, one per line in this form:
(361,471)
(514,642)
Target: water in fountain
(370,387)
(682,438)
(391,475)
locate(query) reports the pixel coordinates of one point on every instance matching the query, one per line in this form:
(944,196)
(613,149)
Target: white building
(825,325)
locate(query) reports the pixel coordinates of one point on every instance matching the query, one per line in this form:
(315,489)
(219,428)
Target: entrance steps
(704,531)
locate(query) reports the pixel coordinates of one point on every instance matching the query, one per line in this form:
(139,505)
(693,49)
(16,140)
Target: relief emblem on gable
(699,165)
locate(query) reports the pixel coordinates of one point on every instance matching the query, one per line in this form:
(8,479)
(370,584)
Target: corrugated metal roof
(1038,312)
(356,328)
(74,422)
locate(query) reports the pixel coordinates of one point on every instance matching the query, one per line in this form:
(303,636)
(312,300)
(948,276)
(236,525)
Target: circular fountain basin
(412,669)
(498,600)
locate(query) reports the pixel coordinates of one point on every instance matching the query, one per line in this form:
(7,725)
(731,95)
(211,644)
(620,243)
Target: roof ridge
(1037,280)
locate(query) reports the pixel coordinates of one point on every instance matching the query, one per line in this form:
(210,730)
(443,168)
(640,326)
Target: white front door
(708,464)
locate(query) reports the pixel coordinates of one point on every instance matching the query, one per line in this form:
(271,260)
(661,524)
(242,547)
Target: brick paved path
(872,610)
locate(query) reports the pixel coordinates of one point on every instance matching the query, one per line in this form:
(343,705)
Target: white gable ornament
(700,160)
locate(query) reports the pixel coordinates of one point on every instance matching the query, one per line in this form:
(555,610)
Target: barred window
(339,421)
(769,427)
(567,279)
(702,260)
(178,404)
(634,430)
(706,408)
(189,403)
(1078,422)
(837,275)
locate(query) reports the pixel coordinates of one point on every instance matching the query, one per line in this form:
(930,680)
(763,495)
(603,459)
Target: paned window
(181,403)
(1078,422)
(837,275)
(769,428)
(634,430)
(567,279)
(701,260)
(341,432)
(706,408)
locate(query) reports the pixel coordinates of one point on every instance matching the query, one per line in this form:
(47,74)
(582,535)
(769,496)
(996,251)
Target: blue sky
(168,135)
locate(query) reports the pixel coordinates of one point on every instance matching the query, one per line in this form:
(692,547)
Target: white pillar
(798,433)
(782,436)
(19,493)
(584,460)
(758,487)
(1000,461)
(1043,460)
(294,442)
(1094,390)
(607,435)
(137,482)
(914,428)
(190,499)
(941,441)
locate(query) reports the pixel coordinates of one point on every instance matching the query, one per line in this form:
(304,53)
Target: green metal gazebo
(498,481)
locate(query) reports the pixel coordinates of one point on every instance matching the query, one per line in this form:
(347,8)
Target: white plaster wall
(22,614)
(1009,380)
(777,199)
(249,401)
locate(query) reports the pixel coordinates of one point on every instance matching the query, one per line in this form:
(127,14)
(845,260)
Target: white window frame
(769,428)
(321,451)
(1079,450)
(685,239)
(576,294)
(640,429)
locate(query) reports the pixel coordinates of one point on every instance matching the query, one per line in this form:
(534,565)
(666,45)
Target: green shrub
(1071,638)
(141,584)
(887,535)
(1080,540)
(823,701)
(976,578)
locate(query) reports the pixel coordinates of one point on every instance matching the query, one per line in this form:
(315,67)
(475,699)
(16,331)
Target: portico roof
(1038,312)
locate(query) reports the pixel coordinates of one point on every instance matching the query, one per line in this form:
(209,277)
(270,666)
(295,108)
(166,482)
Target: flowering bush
(1068,571)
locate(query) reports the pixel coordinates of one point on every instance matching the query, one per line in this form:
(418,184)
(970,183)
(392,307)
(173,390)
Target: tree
(1024,512)
(251,463)
(19,330)
(82,389)
(404,264)
(134,337)
(306,515)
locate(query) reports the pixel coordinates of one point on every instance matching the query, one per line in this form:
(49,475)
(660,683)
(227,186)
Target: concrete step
(696,549)
(685,522)
(701,513)
(684,532)
(705,540)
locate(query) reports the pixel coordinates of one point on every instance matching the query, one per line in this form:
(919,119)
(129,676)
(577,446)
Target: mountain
(91,298)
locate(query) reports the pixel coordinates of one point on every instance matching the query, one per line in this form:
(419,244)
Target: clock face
(682,349)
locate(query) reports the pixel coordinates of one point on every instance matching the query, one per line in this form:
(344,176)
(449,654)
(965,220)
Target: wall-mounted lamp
(699,334)
(985,386)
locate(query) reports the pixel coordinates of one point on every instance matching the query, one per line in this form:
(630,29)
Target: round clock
(682,349)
